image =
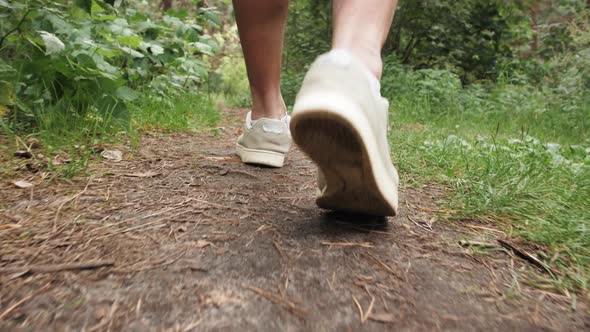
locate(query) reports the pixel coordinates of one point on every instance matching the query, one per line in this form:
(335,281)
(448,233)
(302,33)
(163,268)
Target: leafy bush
(440,87)
(470,36)
(569,71)
(93,58)
(234,81)
(309,33)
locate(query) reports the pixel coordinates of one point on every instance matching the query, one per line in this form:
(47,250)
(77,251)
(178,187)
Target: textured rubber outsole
(340,152)
(260,157)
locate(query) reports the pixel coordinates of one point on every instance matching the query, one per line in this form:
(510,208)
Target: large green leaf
(127,94)
(131,41)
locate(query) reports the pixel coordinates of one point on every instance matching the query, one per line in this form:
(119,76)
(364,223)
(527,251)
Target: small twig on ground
(126,230)
(424,225)
(358,305)
(348,244)
(23,300)
(192,325)
(138,308)
(384,318)
(384,266)
(148,174)
(67,201)
(9,217)
(289,305)
(157,264)
(529,257)
(363,229)
(58,267)
(487,229)
(112,312)
(154,214)
(220,206)
(468,243)
(237,171)
(278,248)
(108,320)
(9,227)
(367,314)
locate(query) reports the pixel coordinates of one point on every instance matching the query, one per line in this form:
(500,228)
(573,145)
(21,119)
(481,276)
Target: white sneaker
(340,120)
(264,141)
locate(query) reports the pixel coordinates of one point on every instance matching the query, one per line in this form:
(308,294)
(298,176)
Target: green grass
(509,153)
(77,136)
(65,132)
(182,113)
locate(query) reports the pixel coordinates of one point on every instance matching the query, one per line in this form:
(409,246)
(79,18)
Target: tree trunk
(166,4)
(409,48)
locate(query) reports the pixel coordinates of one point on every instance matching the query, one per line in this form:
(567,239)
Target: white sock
(343,57)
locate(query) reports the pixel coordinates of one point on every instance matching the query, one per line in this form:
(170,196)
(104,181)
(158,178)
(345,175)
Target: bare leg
(361,27)
(261,25)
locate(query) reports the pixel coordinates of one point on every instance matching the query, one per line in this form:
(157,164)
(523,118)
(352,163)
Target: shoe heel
(260,157)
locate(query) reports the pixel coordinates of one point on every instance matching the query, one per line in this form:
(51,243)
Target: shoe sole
(260,157)
(335,135)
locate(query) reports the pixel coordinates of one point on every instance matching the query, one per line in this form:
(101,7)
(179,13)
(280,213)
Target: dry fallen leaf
(202,244)
(114,155)
(148,174)
(22,184)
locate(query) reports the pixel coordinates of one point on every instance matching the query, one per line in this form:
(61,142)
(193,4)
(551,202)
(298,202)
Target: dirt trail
(199,241)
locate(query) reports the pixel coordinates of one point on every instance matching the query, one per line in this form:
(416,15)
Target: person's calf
(361,27)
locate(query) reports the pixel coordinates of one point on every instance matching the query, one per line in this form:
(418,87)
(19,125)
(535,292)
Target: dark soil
(198,241)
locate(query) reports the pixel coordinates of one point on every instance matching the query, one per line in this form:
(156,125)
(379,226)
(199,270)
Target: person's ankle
(270,109)
(373,66)
(371,59)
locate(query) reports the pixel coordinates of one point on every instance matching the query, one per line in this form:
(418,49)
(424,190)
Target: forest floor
(180,236)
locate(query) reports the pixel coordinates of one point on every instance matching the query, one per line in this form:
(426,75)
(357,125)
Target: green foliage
(77,75)
(91,59)
(569,71)
(554,25)
(234,81)
(309,33)
(470,37)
